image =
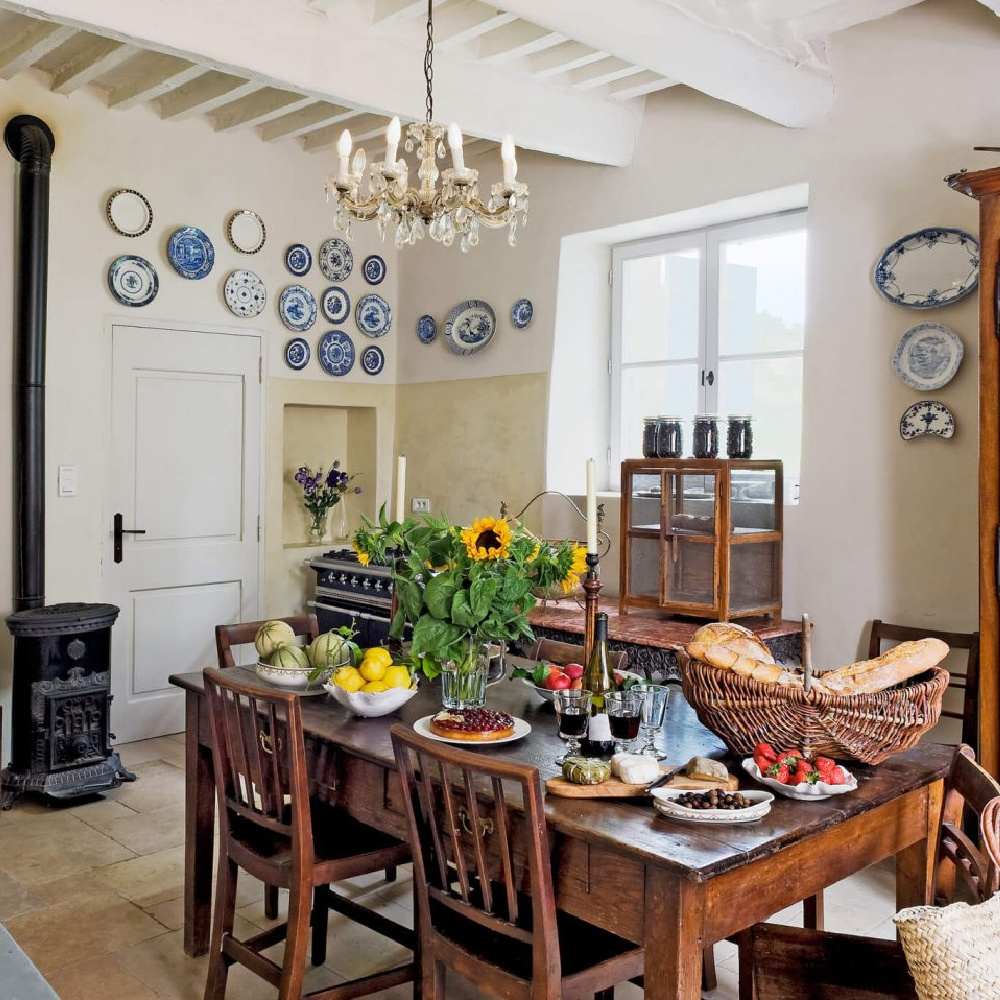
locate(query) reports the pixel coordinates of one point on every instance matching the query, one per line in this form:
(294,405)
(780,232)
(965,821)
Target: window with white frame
(713,321)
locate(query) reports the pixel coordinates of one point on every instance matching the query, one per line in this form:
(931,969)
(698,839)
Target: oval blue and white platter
(336,259)
(927,356)
(297,353)
(470,326)
(928,417)
(427,329)
(133,280)
(927,269)
(297,308)
(336,304)
(521,313)
(336,352)
(298,259)
(374,269)
(191,252)
(372,360)
(373,315)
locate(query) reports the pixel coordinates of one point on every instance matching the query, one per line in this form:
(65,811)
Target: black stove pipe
(31,143)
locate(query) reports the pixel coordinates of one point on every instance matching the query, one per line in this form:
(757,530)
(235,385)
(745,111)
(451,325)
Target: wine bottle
(599,680)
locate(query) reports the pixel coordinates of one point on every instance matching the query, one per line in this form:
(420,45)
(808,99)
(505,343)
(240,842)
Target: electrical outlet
(67,480)
(421,505)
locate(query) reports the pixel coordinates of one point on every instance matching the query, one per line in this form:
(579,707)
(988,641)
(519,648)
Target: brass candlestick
(592,591)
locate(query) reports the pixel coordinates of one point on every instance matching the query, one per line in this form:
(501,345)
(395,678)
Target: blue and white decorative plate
(927,356)
(336,353)
(297,353)
(374,269)
(470,326)
(336,260)
(931,268)
(133,280)
(427,329)
(372,360)
(927,417)
(373,315)
(297,308)
(245,293)
(336,304)
(521,313)
(191,252)
(298,259)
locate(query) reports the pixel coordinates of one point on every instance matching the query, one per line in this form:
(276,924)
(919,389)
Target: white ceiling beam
(307,120)
(516,41)
(40,38)
(153,78)
(283,45)
(639,85)
(204,95)
(101,56)
(669,41)
(363,128)
(600,74)
(563,58)
(394,11)
(258,109)
(459,22)
(832,17)
(994,5)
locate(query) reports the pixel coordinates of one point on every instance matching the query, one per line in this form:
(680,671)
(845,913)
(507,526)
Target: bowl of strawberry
(547,678)
(795,774)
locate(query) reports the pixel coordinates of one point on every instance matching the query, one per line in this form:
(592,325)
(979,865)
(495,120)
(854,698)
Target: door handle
(119,531)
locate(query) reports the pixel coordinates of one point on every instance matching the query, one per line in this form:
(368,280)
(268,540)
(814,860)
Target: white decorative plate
(470,326)
(663,799)
(245,293)
(373,315)
(927,356)
(129,212)
(423,727)
(336,260)
(133,280)
(805,792)
(930,268)
(297,308)
(928,417)
(245,231)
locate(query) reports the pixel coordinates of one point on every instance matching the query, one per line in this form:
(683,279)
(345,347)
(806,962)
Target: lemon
(397,677)
(372,670)
(349,679)
(379,654)
(375,686)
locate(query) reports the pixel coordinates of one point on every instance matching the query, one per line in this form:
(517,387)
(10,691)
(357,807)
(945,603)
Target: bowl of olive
(716,805)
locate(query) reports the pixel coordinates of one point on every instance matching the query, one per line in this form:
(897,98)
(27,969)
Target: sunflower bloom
(577,568)
(363,556)
(488,538)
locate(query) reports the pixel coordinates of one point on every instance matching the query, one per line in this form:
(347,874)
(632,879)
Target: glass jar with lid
(705,436)
(649,425)
(739,435)
(669,443)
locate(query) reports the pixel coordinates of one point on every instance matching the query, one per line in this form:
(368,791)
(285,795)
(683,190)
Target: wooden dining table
(672,886)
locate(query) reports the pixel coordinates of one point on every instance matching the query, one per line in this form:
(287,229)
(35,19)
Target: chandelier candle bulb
(455,145)
(509,162)
(392,134)
(399,513)
(344,151)
(591,508)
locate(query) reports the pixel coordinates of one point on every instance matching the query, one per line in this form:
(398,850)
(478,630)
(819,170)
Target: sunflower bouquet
(464,587)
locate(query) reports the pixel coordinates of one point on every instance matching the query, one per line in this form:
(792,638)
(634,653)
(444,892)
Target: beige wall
(885,528)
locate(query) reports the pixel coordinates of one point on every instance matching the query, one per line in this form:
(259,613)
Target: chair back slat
(496,872)
(243,634)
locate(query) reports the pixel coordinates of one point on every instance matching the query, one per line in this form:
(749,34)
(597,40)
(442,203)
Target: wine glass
(624,711)
(654,707)
(573,710)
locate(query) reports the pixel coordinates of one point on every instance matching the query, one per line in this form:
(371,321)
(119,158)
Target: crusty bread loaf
(732,636)
(728,659)
(891,668)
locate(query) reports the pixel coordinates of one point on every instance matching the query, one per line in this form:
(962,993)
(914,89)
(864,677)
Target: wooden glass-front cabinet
(701,537)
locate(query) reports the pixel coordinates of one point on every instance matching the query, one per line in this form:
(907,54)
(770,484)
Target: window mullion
(710,351)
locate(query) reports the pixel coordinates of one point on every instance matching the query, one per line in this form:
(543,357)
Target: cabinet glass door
(753,505)
(691,560)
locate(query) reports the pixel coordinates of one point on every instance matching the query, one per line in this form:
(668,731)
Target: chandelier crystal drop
(381,190)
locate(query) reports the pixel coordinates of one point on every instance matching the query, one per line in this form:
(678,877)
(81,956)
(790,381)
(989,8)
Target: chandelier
(381,190)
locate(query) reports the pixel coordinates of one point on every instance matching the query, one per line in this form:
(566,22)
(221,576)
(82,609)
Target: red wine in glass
(624,727)
(574,724)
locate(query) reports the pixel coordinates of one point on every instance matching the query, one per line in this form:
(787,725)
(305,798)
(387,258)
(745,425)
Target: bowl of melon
(547,678)
(375,686)
(300,668)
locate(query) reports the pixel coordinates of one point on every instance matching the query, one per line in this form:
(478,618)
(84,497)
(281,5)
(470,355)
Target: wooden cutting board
(614,788)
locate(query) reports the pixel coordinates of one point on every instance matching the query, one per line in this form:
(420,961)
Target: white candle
(455,144)
(399,513)
(591,509)
(509,161)
(392,134)
(344,150)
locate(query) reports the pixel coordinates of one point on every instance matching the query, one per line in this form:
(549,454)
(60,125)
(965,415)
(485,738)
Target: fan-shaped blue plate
(336,259)
(373,315)
(374,269)
(427,329)
(297,353)
(372,360)
(133,280)
(928,417)
(298,259)
(336,304)
(297,308)
(470,326)
(191,252)
(336,352)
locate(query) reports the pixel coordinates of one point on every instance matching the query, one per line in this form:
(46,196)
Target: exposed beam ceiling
(38,39)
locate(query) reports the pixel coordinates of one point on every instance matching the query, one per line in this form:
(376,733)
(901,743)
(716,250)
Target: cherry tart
(477,725)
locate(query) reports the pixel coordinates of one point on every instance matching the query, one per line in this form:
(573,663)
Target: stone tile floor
(92,893)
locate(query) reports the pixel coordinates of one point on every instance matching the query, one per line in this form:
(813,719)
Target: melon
(271,635)
(328,651)
(289,658)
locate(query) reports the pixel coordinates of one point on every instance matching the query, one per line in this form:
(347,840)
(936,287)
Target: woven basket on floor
(743,712)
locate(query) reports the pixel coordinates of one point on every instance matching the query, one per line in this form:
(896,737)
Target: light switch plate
(67,480)
(421,505)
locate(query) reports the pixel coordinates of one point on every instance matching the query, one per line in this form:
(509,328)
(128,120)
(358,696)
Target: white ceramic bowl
(663,799)
(293,678)
(551,695)
(803,792)
(371,704)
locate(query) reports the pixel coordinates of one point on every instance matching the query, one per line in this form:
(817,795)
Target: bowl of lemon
(376,686)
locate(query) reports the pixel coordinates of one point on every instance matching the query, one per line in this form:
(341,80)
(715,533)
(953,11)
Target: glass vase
(463,682)
(318,523)
(340,519)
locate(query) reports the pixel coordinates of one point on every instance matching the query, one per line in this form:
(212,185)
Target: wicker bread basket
(743,712)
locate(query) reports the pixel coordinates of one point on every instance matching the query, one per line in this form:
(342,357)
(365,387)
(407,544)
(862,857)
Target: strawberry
(779,772)
(789,758)
(766,751)
(824,763)
(838,776)
(804,775)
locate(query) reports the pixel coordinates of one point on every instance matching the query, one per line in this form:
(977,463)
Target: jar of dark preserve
(739,436)
(705,436)
(649,425)
(669,442)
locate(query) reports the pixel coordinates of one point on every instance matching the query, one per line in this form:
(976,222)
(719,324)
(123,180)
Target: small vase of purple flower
(321,492)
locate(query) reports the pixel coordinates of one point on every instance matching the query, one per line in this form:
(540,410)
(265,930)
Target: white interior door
(186,461)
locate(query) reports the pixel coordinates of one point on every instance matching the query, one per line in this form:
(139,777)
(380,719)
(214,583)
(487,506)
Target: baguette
(731,636)
(728,659)
(891,668)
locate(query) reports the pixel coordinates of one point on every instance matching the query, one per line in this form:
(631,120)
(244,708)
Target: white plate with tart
(472,726)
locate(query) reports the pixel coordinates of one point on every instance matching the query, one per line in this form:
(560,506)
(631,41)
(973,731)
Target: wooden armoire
(984,186)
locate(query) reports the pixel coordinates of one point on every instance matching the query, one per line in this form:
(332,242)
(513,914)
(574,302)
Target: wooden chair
(243,634)
(795,962)
(483,881)
(565,652)
(271,828)
(968,682)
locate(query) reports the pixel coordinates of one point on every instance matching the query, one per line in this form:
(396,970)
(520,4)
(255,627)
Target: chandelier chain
(429,60)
